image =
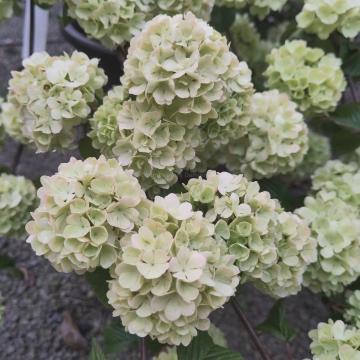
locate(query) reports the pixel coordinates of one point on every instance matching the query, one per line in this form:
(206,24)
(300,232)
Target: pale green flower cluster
(259,8)
(322,17)
(184,80)
(318,154)
(335,341)
(335,225)
(115,22)
(313,79)
(50,97)
(274,141)
(172,274)
(7,9)
(272,247)
(17,199)
(85,209)
(352,312)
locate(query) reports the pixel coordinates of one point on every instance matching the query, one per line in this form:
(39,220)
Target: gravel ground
(35,309)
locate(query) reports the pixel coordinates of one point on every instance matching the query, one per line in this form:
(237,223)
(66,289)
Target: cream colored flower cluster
(177,84)
(352,312)
(85,209)
(7,8)
(172,274)
(17,199)
(335,341)
(115,22)
(270,138)
(50,97)
(272,247)
(260,8)
(323,17)
(313,79)
(319,154)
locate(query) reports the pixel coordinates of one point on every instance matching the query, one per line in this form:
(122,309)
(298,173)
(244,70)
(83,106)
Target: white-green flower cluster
(318,154)
(176,85)
(352,312)
(274,141)
(260,8)
(335,341)
(85,209)
(115,22)
(7,9)
(272,247)
(322,17)
(50,97)
(17,199)
(335,225)
(313,79)
(172,274)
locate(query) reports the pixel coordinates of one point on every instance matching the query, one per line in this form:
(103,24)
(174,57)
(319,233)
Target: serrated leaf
(203,348)
(276,323)
(98,281)
(86,149)
(347,115)
(96,352)
(116,339)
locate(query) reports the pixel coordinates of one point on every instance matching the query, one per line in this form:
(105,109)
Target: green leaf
(222,18)
(96,352)
(98,281)
(86,149)
(203,348)
(347,115)
(276,323)
(116,339)
(352,64)
(6,262)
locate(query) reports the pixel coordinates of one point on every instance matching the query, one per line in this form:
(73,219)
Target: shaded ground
(34,312)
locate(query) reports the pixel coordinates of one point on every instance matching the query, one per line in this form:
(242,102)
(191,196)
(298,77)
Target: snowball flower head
(322,17)
(318,155)
(272,247)
(115,22)
(335,341)
(335,225)
(49,97)
(17,199)
(85,209)
(172,274)
(313,79)
(276,138)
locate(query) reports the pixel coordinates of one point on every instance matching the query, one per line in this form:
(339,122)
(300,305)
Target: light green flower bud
(7,9)
(276,140)
(17,199)
(50,97)
(318,154)
(335,225)
(322,17)
(272,247)
(171,274)
(85,209)
(115,22)
(335,341)
(313,79)
(352,312)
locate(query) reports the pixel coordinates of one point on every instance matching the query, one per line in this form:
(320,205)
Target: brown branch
(249,329)
(142,349)
(17,157)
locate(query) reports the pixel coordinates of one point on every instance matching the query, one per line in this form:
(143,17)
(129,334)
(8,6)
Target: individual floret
(17,199)
(115,22)
(172,274)
(322,17)
(335,341)
(85,209)
(335,225)
(50,97)
(318,154)
(313,79)
(272,247)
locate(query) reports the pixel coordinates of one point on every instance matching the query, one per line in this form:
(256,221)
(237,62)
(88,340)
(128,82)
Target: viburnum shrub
(162,214)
